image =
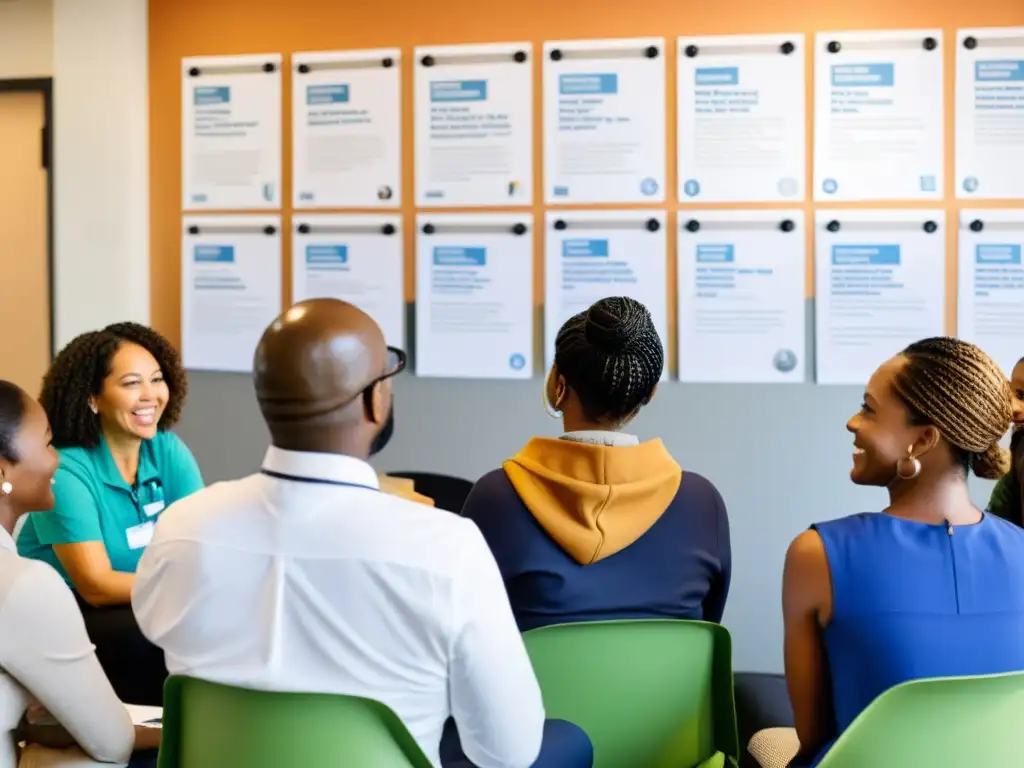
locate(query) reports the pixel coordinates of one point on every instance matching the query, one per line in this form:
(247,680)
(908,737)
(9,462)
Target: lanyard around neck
(316,480)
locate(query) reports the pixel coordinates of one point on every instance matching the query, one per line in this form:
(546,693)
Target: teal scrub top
(94,503)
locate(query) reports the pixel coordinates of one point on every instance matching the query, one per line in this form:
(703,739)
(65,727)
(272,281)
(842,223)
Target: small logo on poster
(784,361)
(517,362)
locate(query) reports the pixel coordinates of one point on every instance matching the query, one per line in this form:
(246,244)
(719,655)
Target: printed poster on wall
(990,289)
(604,121)
(591,255)
(474,296)
(474,125)
(878,119)
(355,258)
(230,288)
(880,280)
(231,132)
(990,113)
(347,129)
(741,125)
(741,296)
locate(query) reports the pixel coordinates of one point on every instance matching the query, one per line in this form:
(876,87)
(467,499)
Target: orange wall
(179,28)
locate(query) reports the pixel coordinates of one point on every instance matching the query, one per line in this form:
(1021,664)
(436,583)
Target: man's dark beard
(381,439)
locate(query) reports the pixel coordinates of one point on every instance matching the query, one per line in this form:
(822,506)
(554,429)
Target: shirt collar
(601,437)
(111,475)
(7,541)
(331,467)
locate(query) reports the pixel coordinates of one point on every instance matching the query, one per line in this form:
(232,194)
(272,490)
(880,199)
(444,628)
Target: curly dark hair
(612,357)
(78,372)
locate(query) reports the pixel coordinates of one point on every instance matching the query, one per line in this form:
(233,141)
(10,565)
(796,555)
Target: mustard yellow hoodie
(594,500)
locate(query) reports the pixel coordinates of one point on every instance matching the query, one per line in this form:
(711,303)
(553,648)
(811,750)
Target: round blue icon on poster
(648,187)
(829,186)
(784,361)
(517,362)
(787,187)
(691,188)
(970,184)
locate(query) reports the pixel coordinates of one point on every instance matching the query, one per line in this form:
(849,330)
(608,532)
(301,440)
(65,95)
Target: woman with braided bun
(928,587)
(112,396)
(596,524)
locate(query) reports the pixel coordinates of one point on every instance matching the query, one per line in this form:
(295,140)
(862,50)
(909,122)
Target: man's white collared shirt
(322,583)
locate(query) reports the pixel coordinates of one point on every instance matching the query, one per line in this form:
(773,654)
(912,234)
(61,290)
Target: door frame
(44,86)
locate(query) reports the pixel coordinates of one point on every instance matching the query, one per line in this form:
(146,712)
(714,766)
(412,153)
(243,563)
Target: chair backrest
(206,725)
(447,491)
(648,693)
(939,723)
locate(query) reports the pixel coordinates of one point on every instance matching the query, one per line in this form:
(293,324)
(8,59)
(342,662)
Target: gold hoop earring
(549,409)
(915,466)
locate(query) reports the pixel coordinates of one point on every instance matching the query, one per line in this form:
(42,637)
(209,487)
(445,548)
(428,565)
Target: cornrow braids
(955,386)
(612,358)
(78,371)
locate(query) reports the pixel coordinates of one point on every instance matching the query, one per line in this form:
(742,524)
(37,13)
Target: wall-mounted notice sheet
(474,125)
(355,258)
(347,129)
(230,288)
(231,132)
(741,124)
(990,113)
(878,120)
(474,296)
(990,289)
(741,296)
(604,121)
(880,284)
(591,255)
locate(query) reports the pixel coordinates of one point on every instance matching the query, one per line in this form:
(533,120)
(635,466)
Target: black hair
(12,410)
(611,356)
(78,372)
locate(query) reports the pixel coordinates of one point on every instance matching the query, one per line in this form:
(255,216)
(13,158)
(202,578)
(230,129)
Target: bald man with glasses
(305,577)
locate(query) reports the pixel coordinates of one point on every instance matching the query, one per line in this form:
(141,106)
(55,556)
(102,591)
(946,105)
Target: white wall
(26,38)
(101,158)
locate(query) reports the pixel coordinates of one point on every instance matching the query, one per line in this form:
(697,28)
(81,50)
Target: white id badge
(153,507)
(140,535)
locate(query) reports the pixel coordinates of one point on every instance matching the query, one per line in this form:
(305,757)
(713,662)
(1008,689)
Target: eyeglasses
(396,362)
(395,365)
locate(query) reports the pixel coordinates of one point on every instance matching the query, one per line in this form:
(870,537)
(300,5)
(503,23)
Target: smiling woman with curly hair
(111,397)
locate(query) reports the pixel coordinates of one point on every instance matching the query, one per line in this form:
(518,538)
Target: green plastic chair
(953,722)
(648,693)
(206,725)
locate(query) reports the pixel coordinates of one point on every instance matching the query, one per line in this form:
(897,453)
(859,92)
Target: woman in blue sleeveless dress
(928,587)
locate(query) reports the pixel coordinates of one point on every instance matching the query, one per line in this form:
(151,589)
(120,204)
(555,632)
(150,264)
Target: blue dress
(913,600)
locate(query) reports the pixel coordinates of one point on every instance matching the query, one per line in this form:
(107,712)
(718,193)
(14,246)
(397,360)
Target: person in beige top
(47,665)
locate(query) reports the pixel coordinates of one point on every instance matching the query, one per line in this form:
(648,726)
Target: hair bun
(992,463)
(613,325)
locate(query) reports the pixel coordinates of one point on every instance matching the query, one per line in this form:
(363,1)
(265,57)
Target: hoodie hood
(594,500)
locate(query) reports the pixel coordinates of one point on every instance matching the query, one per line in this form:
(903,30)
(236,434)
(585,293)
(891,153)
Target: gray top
(46,658)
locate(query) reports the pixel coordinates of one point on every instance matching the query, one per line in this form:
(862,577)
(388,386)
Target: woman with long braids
(596,524)
(876,599)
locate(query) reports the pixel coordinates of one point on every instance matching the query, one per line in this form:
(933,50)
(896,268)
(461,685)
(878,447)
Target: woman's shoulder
(167,445)
(27,584)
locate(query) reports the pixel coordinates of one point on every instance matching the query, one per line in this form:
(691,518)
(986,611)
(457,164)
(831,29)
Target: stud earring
(915,466)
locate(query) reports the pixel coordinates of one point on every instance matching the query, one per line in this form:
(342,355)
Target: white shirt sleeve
(495,698)
(44,646)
